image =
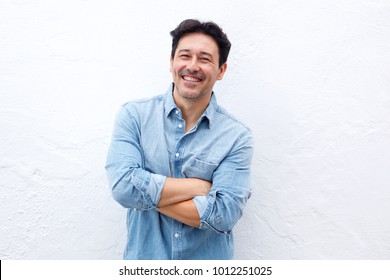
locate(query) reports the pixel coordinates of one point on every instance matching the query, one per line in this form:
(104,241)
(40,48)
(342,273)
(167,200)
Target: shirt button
(177,112)
(180,125)
(177,235)
(177,155)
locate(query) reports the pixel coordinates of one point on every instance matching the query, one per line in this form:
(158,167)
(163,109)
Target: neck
(192,109)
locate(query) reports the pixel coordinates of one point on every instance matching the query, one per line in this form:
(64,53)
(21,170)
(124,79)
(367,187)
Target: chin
(186,92)
(189,95)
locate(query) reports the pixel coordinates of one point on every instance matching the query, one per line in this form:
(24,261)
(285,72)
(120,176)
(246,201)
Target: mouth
(193,79)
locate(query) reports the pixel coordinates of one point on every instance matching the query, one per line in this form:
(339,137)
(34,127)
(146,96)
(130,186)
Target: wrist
(200,187)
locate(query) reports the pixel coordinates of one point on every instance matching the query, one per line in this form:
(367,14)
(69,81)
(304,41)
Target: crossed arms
(199,203)
(176,199)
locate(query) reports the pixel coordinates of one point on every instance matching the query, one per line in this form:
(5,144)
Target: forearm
(177,190)
(137,188)
(185,212)
(134,187)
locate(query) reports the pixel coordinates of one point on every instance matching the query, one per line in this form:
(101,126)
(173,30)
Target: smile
(191,78)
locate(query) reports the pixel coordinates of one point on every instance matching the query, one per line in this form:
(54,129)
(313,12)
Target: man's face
(195,66)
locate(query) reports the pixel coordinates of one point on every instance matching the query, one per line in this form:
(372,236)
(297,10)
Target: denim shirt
(148,145)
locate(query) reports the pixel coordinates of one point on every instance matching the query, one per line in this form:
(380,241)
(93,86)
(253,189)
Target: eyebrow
(202,52)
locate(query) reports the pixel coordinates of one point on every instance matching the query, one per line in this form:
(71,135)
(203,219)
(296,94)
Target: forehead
(198,42)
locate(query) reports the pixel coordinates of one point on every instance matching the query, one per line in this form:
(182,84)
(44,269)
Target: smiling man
(179,162)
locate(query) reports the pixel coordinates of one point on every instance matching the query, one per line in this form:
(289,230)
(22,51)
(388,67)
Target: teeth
(191,79)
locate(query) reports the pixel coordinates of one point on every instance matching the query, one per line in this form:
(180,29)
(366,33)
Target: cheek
(174,69)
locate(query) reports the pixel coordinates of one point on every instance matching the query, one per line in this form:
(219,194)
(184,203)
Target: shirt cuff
(155,187)
(201,204)
(150,185)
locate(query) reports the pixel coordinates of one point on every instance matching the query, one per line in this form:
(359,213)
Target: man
(179,162)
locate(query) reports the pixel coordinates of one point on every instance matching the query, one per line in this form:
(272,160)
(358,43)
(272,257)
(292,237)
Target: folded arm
(134,187)
(188,200)
(185,212)
(223,206)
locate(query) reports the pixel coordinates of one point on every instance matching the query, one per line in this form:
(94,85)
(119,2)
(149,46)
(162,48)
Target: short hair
(209,28)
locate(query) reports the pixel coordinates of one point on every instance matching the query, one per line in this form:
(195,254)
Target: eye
(205,59)
(184,56)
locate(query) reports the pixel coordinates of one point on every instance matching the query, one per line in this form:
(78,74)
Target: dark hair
(209,28)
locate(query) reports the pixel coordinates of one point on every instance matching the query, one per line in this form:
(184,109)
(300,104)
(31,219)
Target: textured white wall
(311,78)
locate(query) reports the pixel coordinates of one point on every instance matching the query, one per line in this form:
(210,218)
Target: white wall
(311,78)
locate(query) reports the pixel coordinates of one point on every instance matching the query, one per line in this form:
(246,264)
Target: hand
(204,186)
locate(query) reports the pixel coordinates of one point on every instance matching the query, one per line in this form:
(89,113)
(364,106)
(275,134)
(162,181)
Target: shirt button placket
(177,240)
(178,156)
(177,165)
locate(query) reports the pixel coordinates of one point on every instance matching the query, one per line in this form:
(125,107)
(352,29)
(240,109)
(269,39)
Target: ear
(170,64)
(222,71)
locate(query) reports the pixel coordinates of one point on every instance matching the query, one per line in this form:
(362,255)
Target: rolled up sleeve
(223,206)
(131,185)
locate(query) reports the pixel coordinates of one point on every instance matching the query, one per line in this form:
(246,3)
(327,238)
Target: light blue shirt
(149,143)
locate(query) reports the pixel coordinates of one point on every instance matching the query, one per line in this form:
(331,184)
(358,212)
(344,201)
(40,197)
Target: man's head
(208,28)
(198,58)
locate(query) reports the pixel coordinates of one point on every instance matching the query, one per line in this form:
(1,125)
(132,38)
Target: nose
(193,65)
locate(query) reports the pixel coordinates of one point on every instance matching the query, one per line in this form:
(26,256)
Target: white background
(311,78)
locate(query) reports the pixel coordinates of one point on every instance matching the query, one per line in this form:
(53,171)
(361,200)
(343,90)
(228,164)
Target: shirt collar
(208,114)
(210,110)
(170,104)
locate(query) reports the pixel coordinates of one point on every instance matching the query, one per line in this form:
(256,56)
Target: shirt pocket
(196,168)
